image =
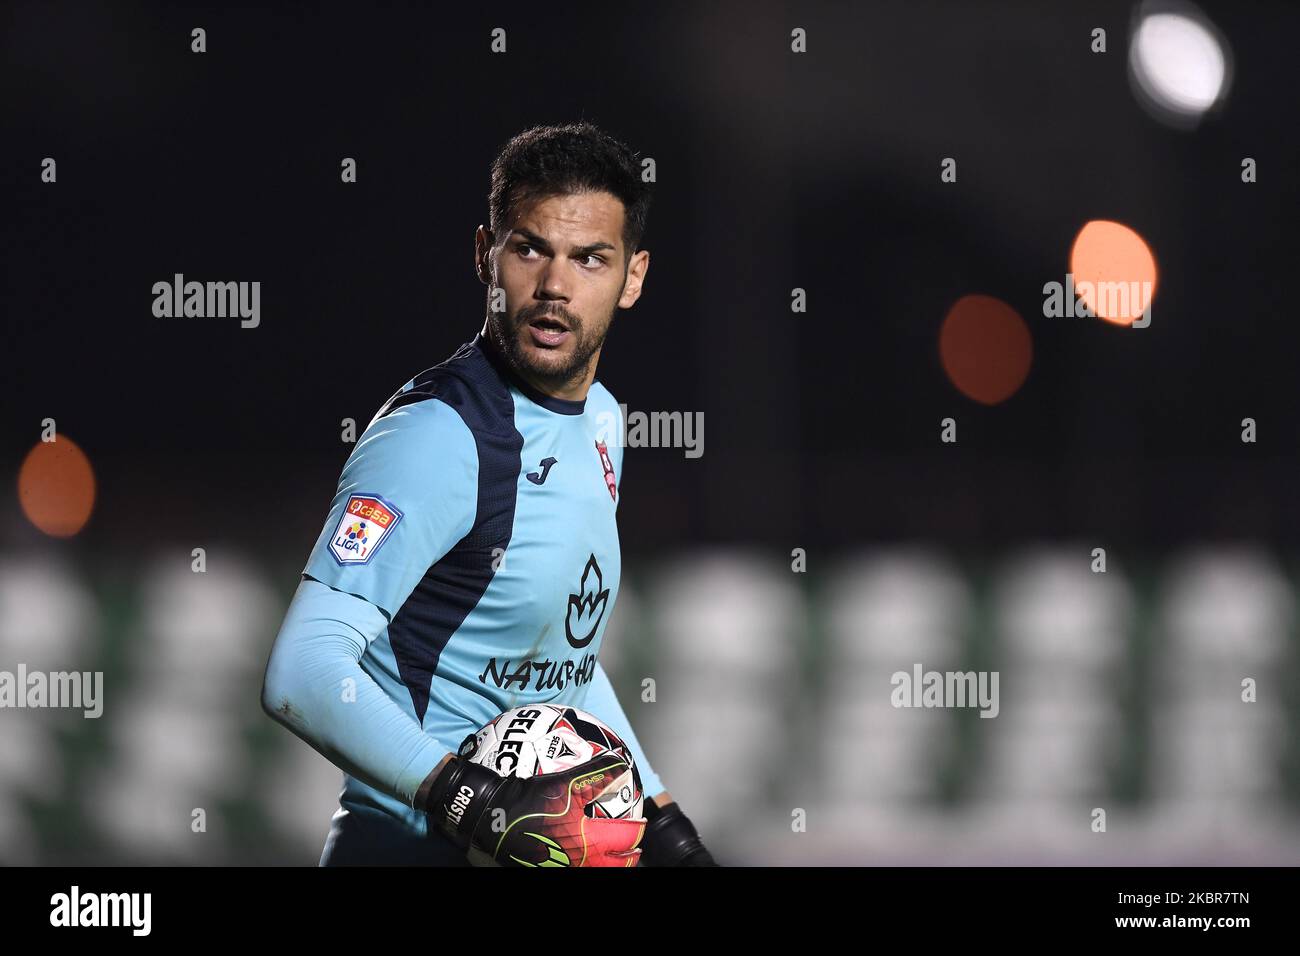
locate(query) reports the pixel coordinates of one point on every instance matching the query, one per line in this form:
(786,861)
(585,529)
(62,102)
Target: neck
(573,391)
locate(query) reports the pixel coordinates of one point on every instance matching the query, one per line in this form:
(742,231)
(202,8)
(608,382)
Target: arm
(366,733)
(316,688)
(411,486)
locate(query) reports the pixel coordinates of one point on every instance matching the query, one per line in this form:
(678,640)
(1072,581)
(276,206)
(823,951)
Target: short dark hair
(573,158)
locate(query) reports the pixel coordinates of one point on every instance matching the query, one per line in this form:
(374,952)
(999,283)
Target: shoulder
(413,457)
(416,428)
(602,404)
(430,423)
(466,384)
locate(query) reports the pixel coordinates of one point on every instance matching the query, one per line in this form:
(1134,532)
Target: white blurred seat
(300,795)
(1226,615)
(887,611)
(1063,648)
(169,758)
(730,634)
(212,624)
(49,622)
(48,619)
(196,655)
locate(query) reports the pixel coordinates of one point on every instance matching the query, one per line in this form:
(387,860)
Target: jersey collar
(561,406)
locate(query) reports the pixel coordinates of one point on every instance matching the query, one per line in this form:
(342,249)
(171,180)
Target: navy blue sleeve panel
(316,688)
(408,492)
(600,701)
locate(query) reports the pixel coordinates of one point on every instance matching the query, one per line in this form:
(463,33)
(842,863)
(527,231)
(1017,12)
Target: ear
(636,270)
(483,241)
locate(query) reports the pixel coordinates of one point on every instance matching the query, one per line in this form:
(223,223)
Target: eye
(592,261)
(523,249)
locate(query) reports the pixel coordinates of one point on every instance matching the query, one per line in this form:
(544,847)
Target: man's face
(562,267)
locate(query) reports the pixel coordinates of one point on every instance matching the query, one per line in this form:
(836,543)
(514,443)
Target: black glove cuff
(459,797)
(671,839)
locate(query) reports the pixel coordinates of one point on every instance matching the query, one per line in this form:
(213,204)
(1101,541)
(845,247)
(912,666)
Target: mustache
(545,311)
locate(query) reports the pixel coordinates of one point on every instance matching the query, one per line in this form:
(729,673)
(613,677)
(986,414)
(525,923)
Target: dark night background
(774,171)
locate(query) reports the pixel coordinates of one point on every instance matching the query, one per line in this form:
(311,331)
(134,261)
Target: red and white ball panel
(546,738)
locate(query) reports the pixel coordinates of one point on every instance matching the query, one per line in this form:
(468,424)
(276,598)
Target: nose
(552,282)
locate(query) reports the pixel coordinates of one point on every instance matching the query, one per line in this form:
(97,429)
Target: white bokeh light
(1179,62)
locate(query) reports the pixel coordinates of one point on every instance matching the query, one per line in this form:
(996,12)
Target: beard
(557,367)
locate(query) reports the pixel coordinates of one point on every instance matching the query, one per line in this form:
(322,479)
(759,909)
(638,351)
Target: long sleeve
(407,493)
(316,688)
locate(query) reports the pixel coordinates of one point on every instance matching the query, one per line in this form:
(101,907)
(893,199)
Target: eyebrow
(540,243)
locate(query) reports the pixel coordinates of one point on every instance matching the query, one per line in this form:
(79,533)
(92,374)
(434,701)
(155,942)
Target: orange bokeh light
(56,487)
(985,348)
(1114,271)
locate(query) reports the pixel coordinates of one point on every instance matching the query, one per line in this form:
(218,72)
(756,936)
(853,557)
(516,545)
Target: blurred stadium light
(1180,64)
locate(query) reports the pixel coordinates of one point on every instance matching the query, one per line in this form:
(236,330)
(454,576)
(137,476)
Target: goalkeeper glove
(534,821)
(670,838)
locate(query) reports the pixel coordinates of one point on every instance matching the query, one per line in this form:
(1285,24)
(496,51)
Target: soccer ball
(545,738)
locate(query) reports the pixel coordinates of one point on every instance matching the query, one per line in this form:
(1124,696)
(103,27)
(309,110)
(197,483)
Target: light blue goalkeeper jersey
(476,516)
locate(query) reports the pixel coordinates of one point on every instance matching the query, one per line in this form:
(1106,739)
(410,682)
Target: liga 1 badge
(367,520)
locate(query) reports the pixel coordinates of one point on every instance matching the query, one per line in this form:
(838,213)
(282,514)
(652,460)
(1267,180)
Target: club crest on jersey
(608,465)
(366,522)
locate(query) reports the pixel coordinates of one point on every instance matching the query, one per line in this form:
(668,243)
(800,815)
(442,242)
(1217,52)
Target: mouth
(548,331)
(550,323)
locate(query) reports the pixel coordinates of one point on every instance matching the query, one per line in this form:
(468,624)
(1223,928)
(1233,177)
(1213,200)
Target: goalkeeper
(470,560)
